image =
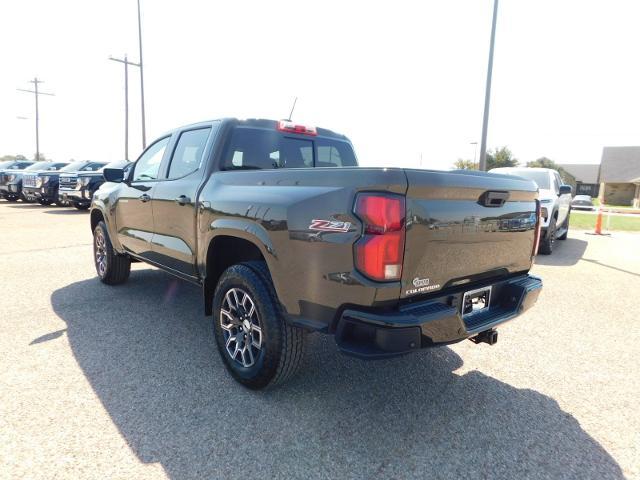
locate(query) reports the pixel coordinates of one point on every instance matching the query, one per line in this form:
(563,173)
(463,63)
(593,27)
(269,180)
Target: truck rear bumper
(437,321)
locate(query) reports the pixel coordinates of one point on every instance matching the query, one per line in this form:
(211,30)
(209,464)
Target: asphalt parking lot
(125,382)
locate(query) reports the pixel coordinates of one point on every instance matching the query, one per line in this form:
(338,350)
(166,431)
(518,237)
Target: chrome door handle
(182,200)
(144,198)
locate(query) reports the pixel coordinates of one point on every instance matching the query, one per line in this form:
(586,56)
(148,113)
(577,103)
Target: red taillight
(380,250)
(290,127)
(536,238)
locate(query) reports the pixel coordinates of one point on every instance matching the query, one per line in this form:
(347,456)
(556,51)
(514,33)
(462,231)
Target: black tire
(12,198)
(281,346)
(546,244)
(565,225)
(44,202)
(112,268)
(81,206)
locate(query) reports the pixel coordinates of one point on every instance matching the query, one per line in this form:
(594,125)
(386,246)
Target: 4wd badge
(421,285)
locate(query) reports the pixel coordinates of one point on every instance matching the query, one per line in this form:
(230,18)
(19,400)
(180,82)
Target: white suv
(555,200)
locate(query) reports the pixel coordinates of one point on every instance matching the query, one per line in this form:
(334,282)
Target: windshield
(5,164)
(39,166)
(73,167)
(538,176)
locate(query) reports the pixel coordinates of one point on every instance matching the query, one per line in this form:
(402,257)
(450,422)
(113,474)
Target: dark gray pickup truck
(287,235)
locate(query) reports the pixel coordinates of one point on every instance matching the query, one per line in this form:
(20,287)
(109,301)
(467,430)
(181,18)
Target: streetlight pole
(487,94)
(144,134)
(36,92)
(126,63)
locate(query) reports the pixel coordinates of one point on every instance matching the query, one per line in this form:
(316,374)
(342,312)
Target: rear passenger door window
(188,152)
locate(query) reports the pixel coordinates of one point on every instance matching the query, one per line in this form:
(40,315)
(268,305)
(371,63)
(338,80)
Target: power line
(36,93)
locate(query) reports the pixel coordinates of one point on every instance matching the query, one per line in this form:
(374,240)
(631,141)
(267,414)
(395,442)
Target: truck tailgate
(464,227)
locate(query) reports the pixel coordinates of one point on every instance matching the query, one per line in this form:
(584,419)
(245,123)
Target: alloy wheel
(241,327)
(101,252)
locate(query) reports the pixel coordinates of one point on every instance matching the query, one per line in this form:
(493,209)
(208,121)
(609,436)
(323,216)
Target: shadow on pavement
(30,206)
(597,262)
(149,355)
(66,211)
(565,253)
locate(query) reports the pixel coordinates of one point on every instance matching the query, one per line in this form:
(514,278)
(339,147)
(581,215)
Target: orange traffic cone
(598,230)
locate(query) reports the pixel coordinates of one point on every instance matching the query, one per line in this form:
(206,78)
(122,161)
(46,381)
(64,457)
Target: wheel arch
(224,250)
(96,217)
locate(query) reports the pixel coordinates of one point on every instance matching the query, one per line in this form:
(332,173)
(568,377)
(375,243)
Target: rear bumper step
(379,334)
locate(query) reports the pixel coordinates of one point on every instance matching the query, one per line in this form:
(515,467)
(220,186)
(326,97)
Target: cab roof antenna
(292,107)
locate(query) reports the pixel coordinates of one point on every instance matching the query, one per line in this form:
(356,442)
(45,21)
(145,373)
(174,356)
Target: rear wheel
(81,206)
(111,267)
(546,244)
(256,344)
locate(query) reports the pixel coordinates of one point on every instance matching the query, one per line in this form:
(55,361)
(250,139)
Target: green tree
(544,162)
(462,164)
(12,158)
(501,157)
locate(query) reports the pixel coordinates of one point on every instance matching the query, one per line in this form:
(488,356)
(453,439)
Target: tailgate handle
(493,198)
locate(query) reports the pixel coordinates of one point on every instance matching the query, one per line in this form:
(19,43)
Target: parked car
(12,190)
(555,200)
(224,205)
(42,186)
(77,188)
(7,170)
(582,202)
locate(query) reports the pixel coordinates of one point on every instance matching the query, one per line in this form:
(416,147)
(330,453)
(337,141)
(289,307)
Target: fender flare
(239,228)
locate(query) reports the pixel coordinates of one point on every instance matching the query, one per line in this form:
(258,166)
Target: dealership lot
(125,382)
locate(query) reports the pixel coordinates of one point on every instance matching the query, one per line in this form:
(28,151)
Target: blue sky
(404,80)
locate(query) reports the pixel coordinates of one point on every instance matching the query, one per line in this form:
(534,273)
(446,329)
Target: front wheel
(111,267)
(256,344)
(546,244)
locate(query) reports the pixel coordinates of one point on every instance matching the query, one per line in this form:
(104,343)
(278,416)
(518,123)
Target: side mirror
(566,189)
(115,175)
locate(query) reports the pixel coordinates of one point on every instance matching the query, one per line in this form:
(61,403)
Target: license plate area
(475,301)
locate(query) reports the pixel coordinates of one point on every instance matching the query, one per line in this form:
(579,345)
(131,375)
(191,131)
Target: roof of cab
(256,123)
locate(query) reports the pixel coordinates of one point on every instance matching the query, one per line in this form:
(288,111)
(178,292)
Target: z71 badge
(329,226)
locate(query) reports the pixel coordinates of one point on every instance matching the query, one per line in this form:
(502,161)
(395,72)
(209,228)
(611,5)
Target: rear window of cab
(258,149)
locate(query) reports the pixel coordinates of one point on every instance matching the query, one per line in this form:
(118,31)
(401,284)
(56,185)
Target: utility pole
(487,94)
(126,63)
(36,92)
(144,134)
